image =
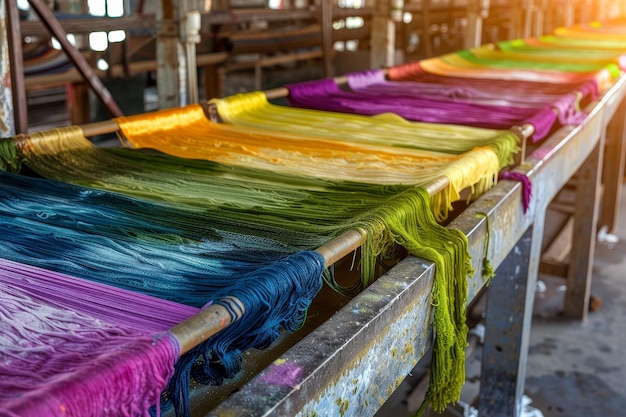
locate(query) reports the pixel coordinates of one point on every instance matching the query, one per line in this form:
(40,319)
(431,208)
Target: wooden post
(15,67)
(474,29)
(78,103)
(168,56)
(383,37)
(176,60)
(6,109)
(327,36)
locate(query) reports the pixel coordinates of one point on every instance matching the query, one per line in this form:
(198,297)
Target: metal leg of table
(584,236)
(613,170)
(510,300)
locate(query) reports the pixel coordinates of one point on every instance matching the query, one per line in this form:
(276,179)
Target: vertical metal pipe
(510,301)
(613,170)
(585,230)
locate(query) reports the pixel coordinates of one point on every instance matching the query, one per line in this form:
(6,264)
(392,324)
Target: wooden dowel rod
(206,323)
(276,93)
(100,128)
(281,92)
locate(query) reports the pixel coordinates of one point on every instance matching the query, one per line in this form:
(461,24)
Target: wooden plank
(91,24)
(54,80)
(561,246)
(148,21)
(555,258)
(274,60)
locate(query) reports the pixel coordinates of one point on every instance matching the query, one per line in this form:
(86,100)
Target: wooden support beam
(16,68)
(78,103)
(383,39)
(555,258)
(55,28)
(72,76)
(613,172)
(327,36)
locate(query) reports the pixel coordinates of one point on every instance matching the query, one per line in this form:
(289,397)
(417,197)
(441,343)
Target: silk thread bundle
(405,218)
(149,266)
(186,133)
(447,249)
(603,71)
(80,361)
(458,67)
(589,35)
(413,71)
(563,41)
(465,59)
(540,47)
(490,56)
(375,82)
(326,95)
(566,106)
(253,110)
(276,296)
(613,28)
(158,250)
(181,132)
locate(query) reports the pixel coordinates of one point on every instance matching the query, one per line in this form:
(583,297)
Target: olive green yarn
(408,221)
(9,160)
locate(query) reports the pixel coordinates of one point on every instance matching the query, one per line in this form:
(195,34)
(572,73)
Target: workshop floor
(579,369)
(574,369)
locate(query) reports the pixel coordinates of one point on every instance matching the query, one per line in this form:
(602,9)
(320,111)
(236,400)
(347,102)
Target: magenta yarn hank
(566,106)
(376,82)
(412,71)
(326,95)
(526,185)
(61,356)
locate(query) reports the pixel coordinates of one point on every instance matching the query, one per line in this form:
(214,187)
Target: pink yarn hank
(57,362)
(526,185)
